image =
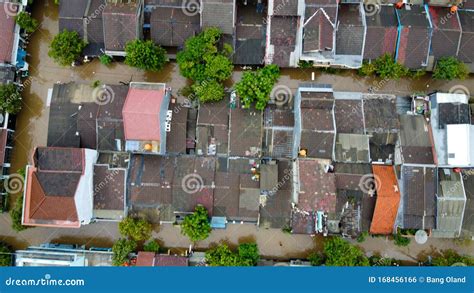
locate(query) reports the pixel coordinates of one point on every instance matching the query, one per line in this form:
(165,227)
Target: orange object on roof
(399,5)
(454,9)
(388,199)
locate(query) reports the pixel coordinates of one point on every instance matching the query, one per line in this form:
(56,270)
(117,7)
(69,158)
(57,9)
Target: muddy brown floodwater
(32,126)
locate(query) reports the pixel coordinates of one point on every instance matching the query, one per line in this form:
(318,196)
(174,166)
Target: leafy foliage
(221,255)
(16,213)
(305,64)
(145,55)
(208,91)
(362,236)
(339,252)
(152,246)
(256,86)
(121,249)
(66,47)
(5,256)
(316,259)
(105,59)
(450,257)
(367,69)
(400,240)
(26,22)
(385,67)
(10,99)
(449,68)
(378,261)
(196,226)
(136,229)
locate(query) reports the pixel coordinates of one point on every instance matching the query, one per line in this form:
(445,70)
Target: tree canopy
(145,55)
(449,68)
(10,99)
(5,255)
(385,67)
(152,246)
(450,257)
(121,249)
(338,252)
(136,229)
(66,47)
(255,87)
(206,64)
(221,255)
(196,226)
(26,22)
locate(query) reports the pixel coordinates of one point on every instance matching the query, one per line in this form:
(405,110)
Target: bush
(400,240)
(145,55)
(105,59)
(26,22)
(16,213)
(305,64)
(387,67)
(121,249)
(10,99)
(450,257)
(255,87)
(449,68)
(5,255)
(66,47)
(248,253)
(316,258)
(221,255)
(339,252)
(208,91)
(136,229)
(367,69)
(362,236)
(196,226)
(152,246)
(378,261)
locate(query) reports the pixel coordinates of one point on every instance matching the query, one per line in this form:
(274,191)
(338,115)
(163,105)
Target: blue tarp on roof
(218,222)
(20,58)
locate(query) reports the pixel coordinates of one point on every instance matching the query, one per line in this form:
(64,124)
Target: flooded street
(32,126)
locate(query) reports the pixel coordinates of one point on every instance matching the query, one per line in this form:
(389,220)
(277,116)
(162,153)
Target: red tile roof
(388,199)
(141,114)
(145,259)
(7,28)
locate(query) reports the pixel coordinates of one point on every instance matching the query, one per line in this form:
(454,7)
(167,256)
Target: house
(178,139)
(284,20)
(415,141)
(145,115)
(314,103)
(450,204)
(245,132)
(110,178)
(62,255)
(212,131)
(123,22)
(351,147)
(414,36)
(466,47)
(348,112)
(59,188)
(450,118)
(314,195)
(318,41)
(446,32)
(467,228)
(171,24)
(350,35)
(7,124)
(418,185)
(151,259)
(387,202)
(9,33)
(382,33)
(355,197)
(278,132)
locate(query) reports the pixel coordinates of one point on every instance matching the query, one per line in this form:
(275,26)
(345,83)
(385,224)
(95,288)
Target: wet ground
(32,126)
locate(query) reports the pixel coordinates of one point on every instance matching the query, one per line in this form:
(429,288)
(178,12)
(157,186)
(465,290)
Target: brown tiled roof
(349,116)
(245,132)
(163,260)
(7,27)
(109,188)
(120,25)
(388,199)
(145,259)
(382,33)
(172,27)
(446,32)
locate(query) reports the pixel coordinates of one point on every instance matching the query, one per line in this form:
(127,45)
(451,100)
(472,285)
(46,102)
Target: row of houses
(12,68)
(323,162)
(323,32)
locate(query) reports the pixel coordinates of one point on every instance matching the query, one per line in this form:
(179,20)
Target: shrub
(16,213)
(387,67)
(208,91)
(400,240)
(222,255)
(136,229)
(145,55)
(196,226)
(105,59)
(450,257)
(367,69)
(66,47)
(152,246)
(316,258)
(10,99)
(5,255)
(449,68)
(255,87)
(26,22)
(121,249)
(339,252)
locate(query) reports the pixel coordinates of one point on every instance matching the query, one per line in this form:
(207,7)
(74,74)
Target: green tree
(121,249)
(196,226)
(105,59)
(16,213)
(145,55)
(387,67)
(10,99)
(5,255)
(256,86)
(248,253)
(152,246)
(136,229)
(316,258)
(66,47)
(26,22)
(367,69)
(449,68)
(400,240)
(208,91)
(450,257)
(339,252)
